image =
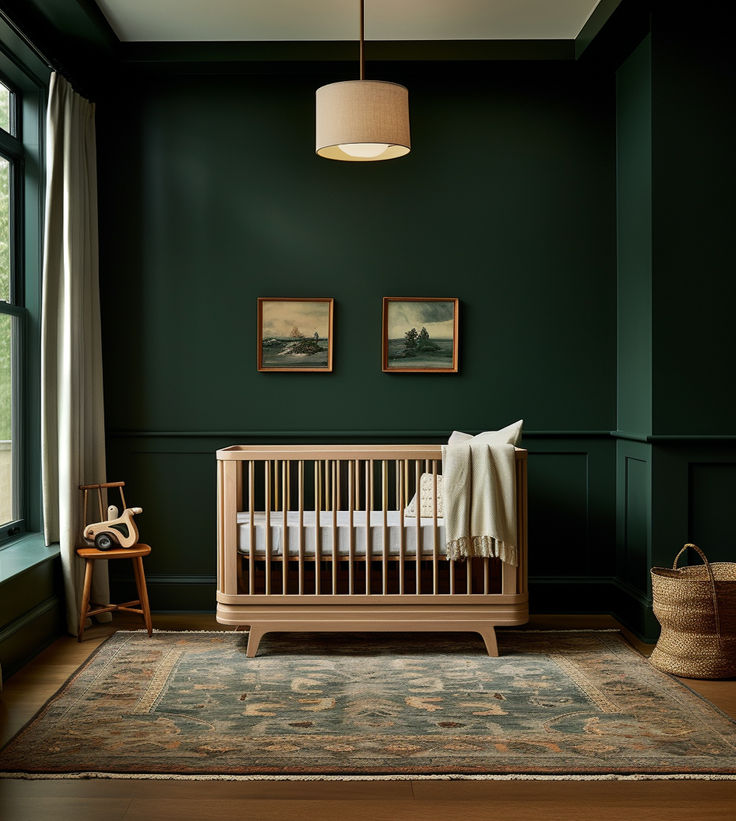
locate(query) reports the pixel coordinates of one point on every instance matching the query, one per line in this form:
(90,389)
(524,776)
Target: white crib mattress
(393,533)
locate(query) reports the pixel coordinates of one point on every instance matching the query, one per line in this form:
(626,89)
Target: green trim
(634,610)
(600,15)
(34,169)
(72,36)
(13,310)
(29,76)
(332,434)
(9,145)
(170,593)
(570,594)
(103,32)
(264,53)
(18,59)
(685,438)
(169,578)
(631,437)
(24,553)
(28,635)
(672,438)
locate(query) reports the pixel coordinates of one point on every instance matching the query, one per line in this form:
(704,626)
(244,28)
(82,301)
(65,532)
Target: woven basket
(696,607)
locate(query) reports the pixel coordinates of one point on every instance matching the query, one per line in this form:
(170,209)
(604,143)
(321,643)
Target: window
(6,101)
(11,321)
(22,90)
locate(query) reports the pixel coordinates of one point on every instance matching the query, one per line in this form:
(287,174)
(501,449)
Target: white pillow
(509,435)
(426,482)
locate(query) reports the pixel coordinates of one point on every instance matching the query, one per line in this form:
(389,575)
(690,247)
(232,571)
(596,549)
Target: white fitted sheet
(393,532)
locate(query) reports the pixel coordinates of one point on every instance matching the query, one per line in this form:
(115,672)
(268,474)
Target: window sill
(23,554)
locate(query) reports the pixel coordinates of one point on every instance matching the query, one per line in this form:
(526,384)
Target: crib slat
(339,488)
(221,524)
(403,467)
(418,511)
(357,485)
(317,522)
(397,462)
(251,516)
(335,503)
(435,534)
(486,563)
(508,578)
(351,532)
(522,523)
(229,530)
(239,506)
(328,495)
(239,486)
(405,500)
(276,464)
(268,526)
(368,528)
(300,569)
(285,535)
(384,508)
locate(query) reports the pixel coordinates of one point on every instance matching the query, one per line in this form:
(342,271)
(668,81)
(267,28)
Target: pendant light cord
(362,36)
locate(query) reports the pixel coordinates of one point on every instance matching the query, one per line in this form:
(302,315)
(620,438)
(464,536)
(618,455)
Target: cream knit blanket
(479,488)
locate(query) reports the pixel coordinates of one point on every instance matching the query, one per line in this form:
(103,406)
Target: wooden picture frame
(415,335)
(284,346)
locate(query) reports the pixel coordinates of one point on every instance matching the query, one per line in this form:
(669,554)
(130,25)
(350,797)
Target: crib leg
(489,637)
(255,635)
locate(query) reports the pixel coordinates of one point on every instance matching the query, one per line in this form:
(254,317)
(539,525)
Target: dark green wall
(676,125)
(211,195)
(694,172)
(634,218)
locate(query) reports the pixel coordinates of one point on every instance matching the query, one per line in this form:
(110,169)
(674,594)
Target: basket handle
(712,585)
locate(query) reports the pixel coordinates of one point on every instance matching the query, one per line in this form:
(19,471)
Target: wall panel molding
(410,434)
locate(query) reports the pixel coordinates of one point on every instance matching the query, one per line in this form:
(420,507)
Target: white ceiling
(273,20)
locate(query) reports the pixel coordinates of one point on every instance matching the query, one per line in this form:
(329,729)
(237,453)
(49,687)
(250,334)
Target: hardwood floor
(158,800)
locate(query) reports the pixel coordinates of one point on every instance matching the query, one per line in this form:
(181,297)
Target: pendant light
(362,120)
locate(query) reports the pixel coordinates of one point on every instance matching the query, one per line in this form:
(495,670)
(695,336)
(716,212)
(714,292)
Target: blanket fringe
(468,547)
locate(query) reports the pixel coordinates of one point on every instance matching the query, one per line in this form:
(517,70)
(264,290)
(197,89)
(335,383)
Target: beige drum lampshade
(362,121)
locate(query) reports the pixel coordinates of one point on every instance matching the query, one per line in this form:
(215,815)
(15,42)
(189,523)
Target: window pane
(4,229)
(6,422)
(6,98)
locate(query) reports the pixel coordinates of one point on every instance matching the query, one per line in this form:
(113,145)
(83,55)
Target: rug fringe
(396,777)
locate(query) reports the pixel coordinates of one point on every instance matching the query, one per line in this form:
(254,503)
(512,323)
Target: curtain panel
(72,410)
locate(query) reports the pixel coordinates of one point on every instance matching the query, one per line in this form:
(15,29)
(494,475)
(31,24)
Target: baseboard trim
(170,593)
(25,637)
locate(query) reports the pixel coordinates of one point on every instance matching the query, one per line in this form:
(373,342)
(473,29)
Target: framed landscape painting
(420,334)
(295,334)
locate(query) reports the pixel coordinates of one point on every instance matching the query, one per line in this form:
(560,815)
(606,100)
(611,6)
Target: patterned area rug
(554,704)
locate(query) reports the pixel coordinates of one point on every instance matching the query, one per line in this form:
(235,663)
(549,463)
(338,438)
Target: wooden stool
(136,554)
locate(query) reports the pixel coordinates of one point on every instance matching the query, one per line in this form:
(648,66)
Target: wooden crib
(319,538)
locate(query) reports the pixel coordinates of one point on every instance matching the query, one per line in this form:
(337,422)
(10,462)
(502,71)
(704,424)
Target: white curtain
(73,433)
